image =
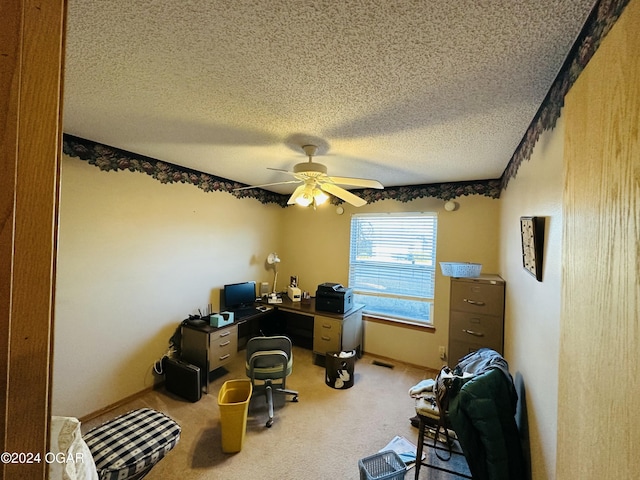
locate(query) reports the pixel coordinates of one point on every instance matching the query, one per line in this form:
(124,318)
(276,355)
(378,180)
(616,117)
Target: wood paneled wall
(31,57)
(599,377)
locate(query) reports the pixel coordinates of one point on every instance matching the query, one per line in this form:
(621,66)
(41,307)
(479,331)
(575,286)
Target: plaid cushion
(132,443)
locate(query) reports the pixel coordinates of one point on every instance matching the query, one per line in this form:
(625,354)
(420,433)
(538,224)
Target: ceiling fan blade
(343,194)
(294,195)
(356,182)
(280,170)
(265,185)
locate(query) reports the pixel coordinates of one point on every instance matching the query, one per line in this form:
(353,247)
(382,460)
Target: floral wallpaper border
(109,159)
(604,14)
(112,159)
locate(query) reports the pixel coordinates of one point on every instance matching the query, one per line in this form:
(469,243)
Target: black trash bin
(339,369)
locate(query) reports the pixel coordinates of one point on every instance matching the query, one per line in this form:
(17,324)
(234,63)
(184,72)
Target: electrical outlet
(443,352)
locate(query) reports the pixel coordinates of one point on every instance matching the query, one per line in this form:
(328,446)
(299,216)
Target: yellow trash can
(233,400)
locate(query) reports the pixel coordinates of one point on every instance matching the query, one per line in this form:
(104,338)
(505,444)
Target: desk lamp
(274,260)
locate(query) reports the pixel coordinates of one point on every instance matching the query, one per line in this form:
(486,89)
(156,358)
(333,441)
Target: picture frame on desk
(532,237)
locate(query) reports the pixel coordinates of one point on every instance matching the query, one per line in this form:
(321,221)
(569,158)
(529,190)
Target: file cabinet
(476,315)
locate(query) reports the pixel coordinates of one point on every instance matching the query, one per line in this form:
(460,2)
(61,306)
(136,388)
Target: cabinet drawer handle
(224,357)
(326,338)
(474,302)
(224,344)
(224,334)
(471,332)
(326,325)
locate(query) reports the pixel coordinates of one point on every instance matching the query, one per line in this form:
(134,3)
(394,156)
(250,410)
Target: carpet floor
(322,436)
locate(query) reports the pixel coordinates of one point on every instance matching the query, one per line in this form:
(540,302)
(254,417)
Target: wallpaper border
(602,17)
(113,159)
(108,159)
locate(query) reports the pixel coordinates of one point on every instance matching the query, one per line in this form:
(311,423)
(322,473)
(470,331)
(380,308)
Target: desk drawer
(223,345)
(326,335)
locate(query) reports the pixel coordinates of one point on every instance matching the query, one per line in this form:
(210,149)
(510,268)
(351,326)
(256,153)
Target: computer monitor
(238,295)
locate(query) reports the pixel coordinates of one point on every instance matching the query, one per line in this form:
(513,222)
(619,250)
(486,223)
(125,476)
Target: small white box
(294,293)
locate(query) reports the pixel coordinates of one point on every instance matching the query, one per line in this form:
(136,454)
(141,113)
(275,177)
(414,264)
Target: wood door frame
(31,66)
(599,355)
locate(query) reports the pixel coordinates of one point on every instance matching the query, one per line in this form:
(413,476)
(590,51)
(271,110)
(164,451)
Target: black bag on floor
(183,379)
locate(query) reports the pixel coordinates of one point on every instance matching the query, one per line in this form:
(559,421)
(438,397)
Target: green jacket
(482,415)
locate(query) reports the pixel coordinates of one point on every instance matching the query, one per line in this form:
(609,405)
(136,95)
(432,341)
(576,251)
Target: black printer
(334,298)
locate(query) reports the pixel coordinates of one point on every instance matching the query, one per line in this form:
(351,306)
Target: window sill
(423,327)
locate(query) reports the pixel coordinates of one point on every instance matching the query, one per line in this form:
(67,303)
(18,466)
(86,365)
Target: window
(392,264)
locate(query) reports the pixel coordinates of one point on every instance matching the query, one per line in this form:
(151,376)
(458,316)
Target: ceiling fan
(315,182)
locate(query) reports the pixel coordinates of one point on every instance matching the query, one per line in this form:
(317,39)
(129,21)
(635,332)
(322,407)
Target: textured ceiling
(406,92)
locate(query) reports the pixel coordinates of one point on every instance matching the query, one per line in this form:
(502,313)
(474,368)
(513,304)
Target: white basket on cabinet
(460,269)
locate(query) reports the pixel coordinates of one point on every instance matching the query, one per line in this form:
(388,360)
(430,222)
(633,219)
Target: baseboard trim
(90,416)
(394,363)
(113,406)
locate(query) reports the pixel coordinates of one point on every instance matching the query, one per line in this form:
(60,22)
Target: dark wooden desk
(315,329)
(309,308)
(209,347)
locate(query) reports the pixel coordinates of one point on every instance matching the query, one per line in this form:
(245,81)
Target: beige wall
(574,337)
(532,311)
(316,248)
(136,257)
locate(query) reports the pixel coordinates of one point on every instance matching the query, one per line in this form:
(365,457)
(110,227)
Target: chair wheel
(269,423)
(295,399)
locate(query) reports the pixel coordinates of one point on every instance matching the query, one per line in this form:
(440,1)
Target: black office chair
(270,362)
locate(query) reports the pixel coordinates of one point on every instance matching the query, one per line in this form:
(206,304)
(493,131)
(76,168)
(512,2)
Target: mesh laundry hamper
(382,466)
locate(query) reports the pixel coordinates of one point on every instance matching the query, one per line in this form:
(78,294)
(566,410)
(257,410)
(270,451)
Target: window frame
(426,274)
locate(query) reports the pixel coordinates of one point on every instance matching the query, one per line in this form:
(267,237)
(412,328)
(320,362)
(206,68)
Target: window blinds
(393,255)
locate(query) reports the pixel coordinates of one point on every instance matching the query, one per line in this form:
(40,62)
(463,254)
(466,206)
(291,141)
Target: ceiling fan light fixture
(304,200)
(319,196)
(305,197)
(310,169)
(315,186)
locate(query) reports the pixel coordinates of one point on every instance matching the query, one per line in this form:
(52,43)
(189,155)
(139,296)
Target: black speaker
(183,379)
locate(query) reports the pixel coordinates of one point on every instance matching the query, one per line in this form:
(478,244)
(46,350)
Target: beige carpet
(321,437)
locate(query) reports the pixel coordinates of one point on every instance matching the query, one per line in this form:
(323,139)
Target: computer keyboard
(245,312)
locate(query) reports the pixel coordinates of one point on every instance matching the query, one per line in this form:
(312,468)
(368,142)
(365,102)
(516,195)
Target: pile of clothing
(481,412)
